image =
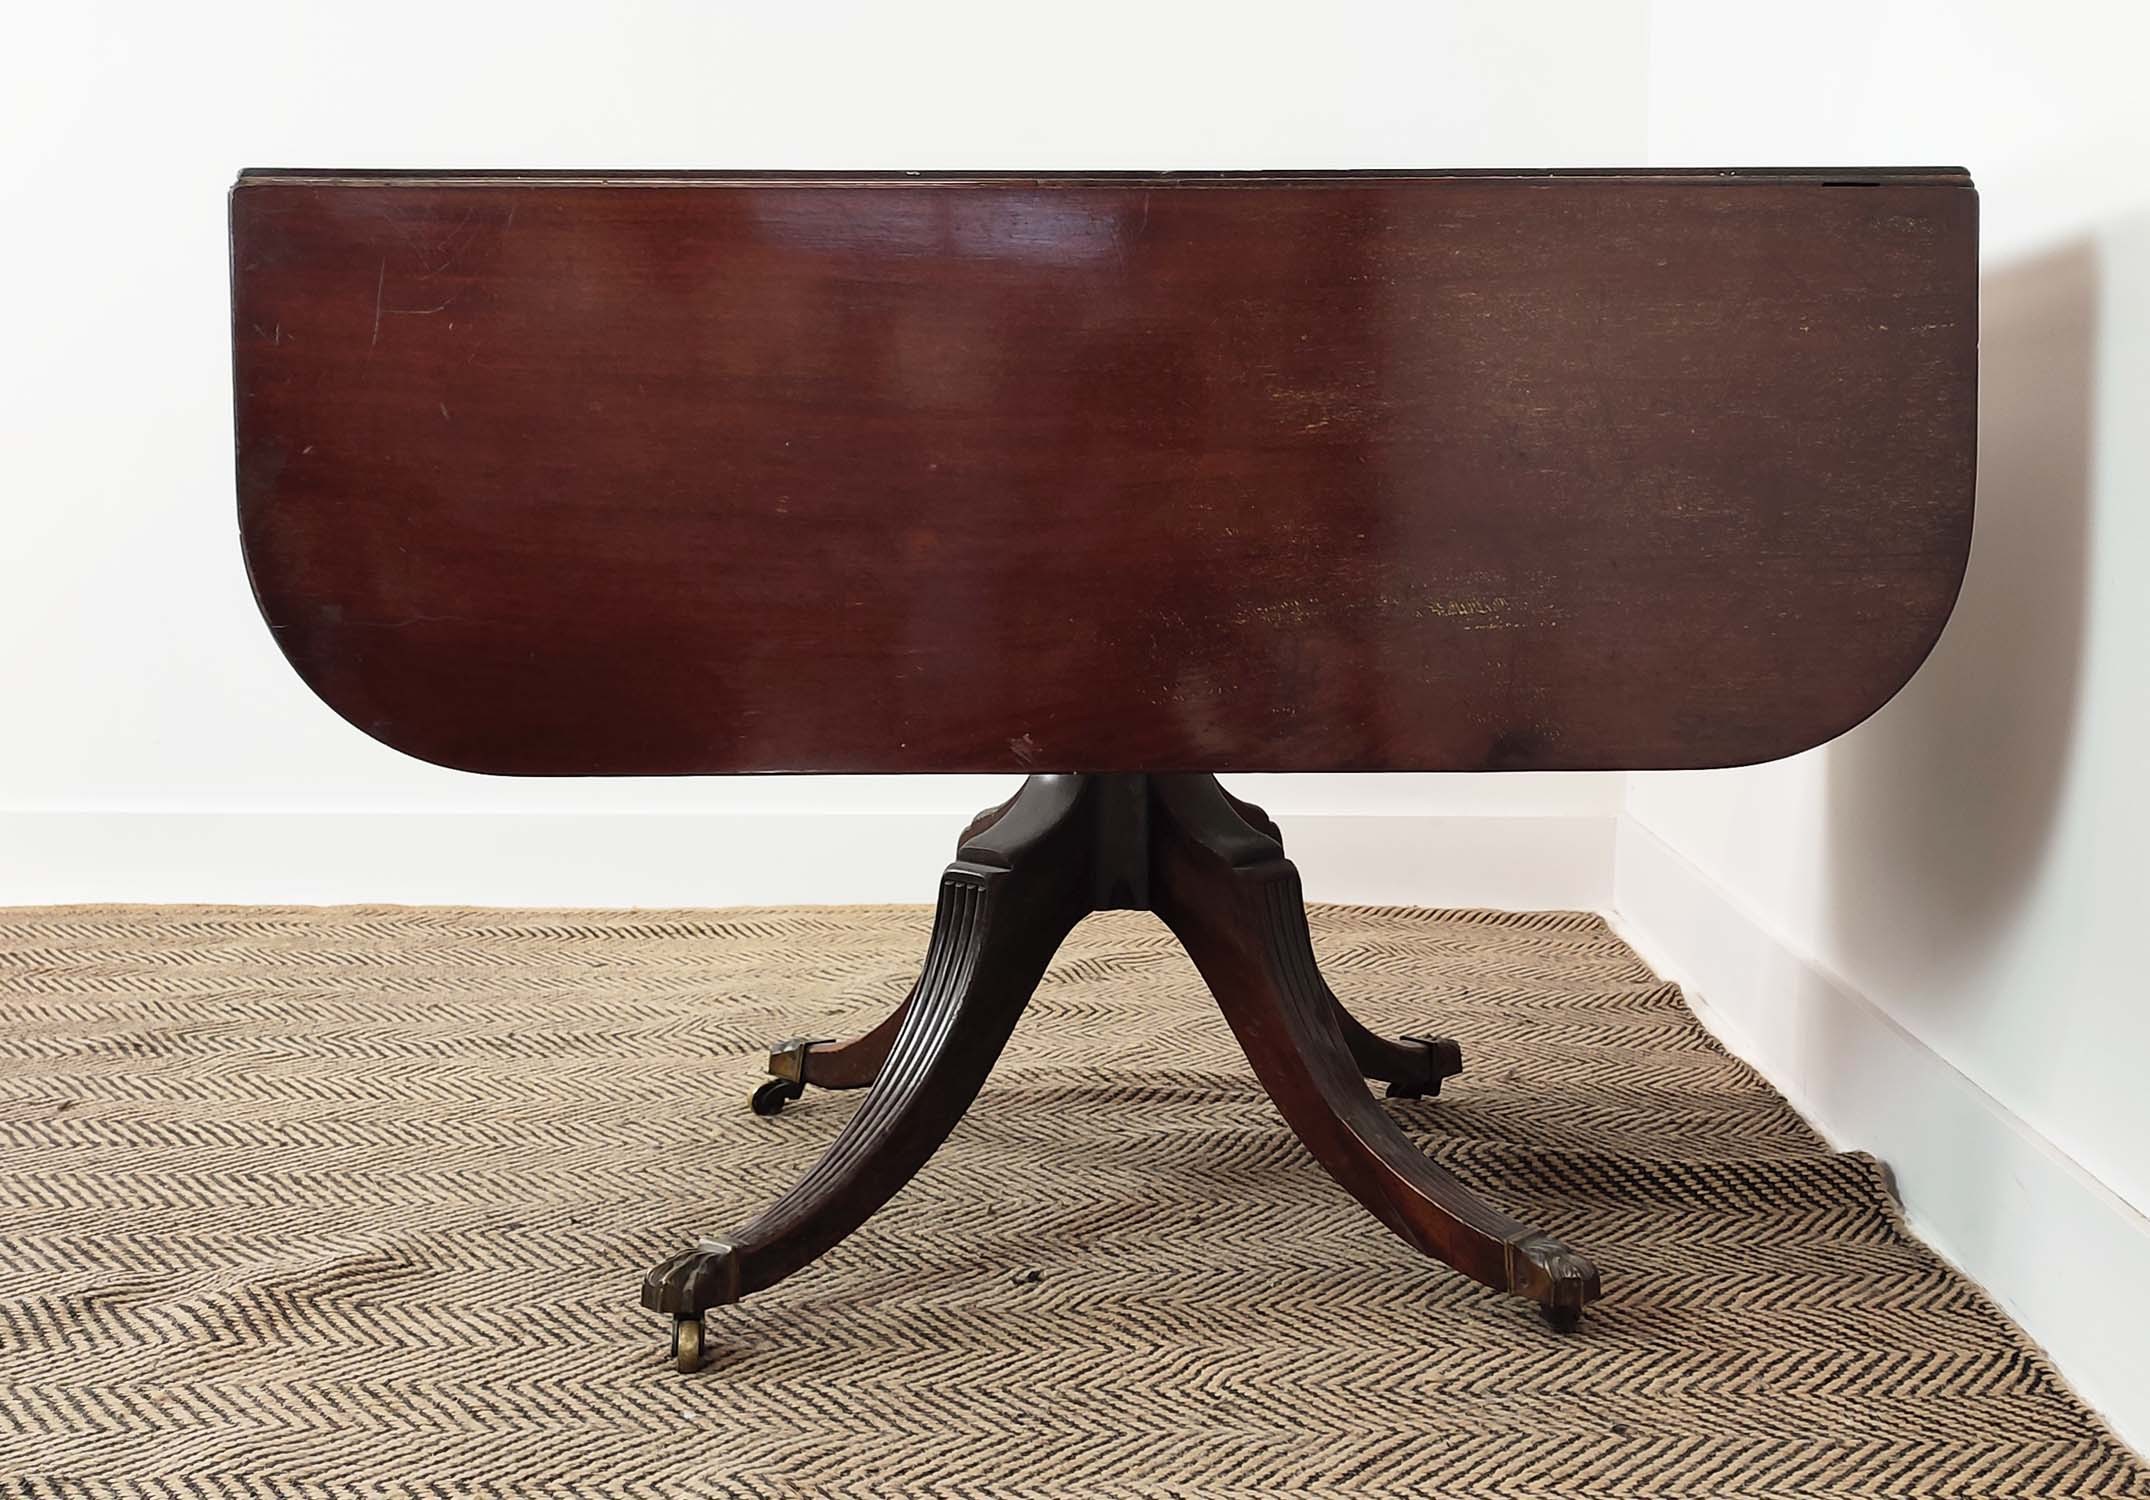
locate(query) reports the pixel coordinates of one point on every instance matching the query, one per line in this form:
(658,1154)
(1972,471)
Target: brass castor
(1558,1279)
(787,1067)
(687,1345)
(772,1096)
(1439,1058)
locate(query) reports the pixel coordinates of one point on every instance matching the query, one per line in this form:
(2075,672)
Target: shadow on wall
(1940,805)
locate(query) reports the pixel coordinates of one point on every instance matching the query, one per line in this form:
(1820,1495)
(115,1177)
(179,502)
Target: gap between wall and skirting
(2058,1250)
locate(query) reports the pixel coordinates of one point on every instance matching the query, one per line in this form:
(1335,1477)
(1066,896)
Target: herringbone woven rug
(323,1202)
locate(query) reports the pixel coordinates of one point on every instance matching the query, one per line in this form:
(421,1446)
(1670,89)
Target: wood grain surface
(671,474)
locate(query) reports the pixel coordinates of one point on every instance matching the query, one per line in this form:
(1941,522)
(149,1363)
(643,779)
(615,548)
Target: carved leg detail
(1013,893)
(825,1064)
(1226,889)
(1411,1066)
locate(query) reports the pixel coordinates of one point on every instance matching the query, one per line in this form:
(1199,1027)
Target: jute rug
(357,1201)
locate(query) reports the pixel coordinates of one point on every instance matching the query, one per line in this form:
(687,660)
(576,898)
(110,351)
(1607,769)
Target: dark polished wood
(1226,890)
(854,1064)
(1413,1067)
(1029,870)
(612,475)
(1118,479)
(1012,894)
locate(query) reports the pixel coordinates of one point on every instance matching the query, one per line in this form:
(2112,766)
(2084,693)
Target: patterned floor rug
(319,1202)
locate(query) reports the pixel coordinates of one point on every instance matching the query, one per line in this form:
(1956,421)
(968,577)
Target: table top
(673,473)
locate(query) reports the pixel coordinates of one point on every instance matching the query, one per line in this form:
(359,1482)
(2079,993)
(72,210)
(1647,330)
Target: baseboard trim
(2058,1250)
(716,858)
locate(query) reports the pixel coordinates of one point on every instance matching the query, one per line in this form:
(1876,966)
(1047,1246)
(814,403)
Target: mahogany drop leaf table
(1114,481)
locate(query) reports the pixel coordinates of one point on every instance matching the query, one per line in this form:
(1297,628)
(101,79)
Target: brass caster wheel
(1556,1278)
(687,1345)
(772,1096)
(1442,1058)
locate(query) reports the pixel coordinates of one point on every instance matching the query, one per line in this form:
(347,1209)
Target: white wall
(138,679)
(1959,886)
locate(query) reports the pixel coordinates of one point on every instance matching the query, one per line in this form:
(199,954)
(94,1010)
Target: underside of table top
(665,474)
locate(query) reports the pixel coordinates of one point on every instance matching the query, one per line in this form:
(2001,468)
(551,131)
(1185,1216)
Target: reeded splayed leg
(1226,889)
(854,1064)
(1412,1066)
(1005,904)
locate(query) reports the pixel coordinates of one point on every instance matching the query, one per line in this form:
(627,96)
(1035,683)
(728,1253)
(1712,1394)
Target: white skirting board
(717,858)
(2063,1255)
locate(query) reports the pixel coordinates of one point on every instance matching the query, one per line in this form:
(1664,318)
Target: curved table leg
(1412,1066)
(854,1064)
(1005,904)
(1226,889)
